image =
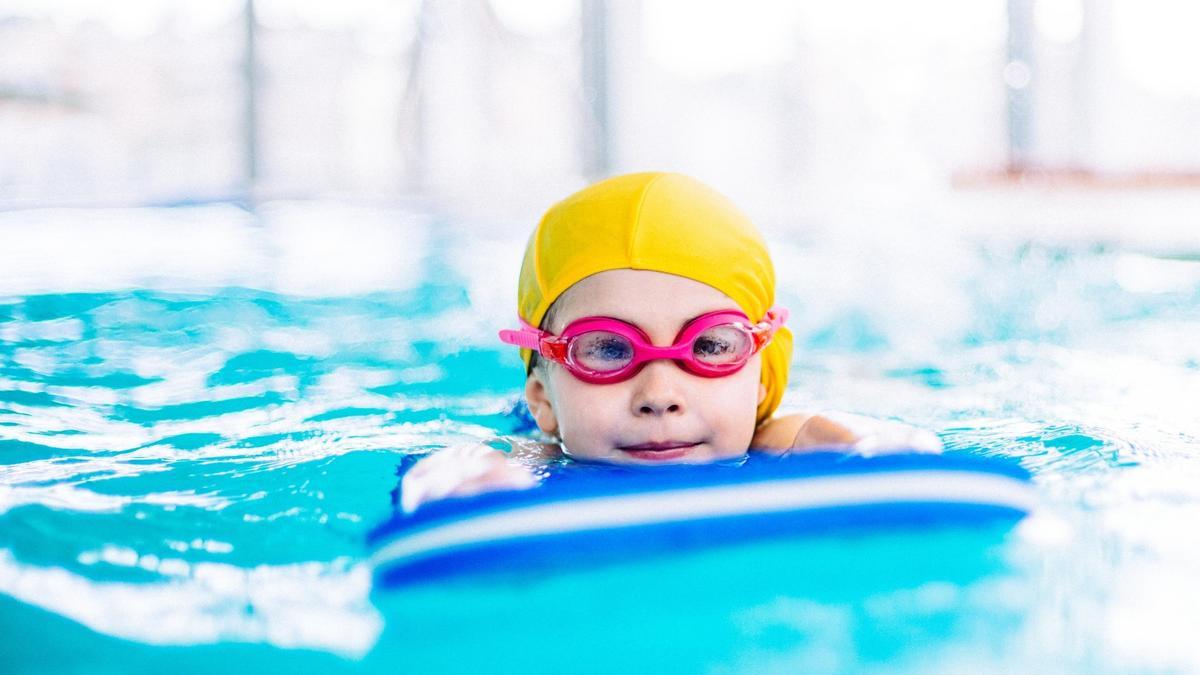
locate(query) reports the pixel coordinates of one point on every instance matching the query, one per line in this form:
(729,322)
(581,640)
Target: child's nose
(658,390)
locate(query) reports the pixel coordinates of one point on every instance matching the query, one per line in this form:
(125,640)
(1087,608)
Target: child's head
(665,254)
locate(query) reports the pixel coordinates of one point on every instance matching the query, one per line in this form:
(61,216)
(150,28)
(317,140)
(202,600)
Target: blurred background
(252,252)
(1075,119)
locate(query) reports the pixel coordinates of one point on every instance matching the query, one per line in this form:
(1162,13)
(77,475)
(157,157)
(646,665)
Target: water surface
(194,443)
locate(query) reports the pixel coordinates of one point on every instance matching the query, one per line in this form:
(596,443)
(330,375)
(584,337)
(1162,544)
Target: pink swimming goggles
(603,350)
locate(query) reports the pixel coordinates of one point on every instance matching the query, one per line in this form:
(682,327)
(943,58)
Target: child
(650,336)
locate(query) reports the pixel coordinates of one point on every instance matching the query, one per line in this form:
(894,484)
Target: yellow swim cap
(664,222)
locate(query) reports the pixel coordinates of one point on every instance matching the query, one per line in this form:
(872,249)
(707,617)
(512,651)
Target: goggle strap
(526,338)
(776,316)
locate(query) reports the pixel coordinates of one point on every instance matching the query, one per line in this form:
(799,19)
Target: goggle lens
(601,351)
(723,345)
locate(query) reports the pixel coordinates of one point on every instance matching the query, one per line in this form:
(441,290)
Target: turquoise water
(188,468)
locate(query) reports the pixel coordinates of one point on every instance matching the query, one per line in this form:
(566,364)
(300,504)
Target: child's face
(662,414)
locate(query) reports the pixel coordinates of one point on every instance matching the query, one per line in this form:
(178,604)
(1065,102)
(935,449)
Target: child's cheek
(740,404)
(581,408)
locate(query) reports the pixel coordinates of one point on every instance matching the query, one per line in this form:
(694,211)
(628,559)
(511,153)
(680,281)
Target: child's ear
(538,399)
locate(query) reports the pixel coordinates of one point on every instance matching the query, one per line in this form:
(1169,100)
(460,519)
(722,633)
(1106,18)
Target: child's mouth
(659,452)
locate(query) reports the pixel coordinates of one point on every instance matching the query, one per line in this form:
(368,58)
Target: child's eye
(722,344)
(602,350)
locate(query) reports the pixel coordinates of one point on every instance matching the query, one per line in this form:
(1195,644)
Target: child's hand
(864,435)
(461,471)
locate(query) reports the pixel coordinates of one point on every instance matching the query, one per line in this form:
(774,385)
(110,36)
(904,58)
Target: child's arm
(863,435)
(464,470)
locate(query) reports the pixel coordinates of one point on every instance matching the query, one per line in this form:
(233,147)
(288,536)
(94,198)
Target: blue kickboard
(589,515)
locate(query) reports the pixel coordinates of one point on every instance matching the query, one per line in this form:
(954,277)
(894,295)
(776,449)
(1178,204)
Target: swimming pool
(197,431)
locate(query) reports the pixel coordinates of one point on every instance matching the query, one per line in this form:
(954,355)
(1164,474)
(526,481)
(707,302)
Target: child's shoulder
(801,430)
(778,433)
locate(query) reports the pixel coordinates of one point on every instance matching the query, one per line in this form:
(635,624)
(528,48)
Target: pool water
(191,453)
